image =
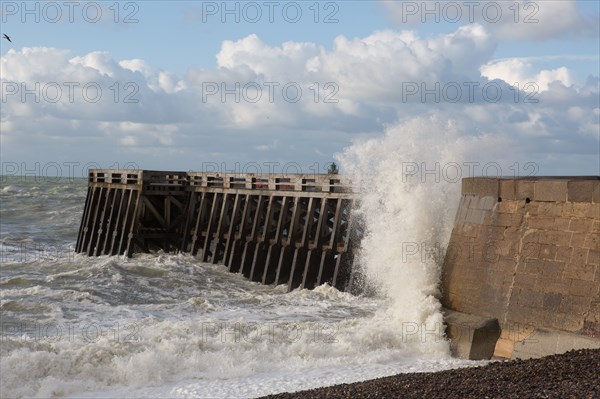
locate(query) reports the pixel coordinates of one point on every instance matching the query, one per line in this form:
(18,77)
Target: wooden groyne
(275,229)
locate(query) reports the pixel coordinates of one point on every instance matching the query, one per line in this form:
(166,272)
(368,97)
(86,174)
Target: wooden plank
(336,224)
(320,223)
(110,225)
(134,223)
(248,246)
(126,223)
(306,271)
(234,262)
(208,231)
(252,238)
(230,232)
(220,226)
(281,265)
(285,207)
(94,223)
(275,242)
(83,224)
(272,252)
(191,204)
(85,235)
(258,258)
(293,269)
(154,211)
(308,222)
(320,279)
(327,247)
(341,266)
(167,216)
(286,240)
(201,208)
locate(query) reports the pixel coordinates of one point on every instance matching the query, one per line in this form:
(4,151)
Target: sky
(284,86)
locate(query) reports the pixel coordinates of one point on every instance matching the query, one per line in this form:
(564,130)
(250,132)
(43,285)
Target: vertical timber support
(296,230)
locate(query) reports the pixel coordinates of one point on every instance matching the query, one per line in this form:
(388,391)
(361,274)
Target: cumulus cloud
(519,71)
(518,20)
(294,101)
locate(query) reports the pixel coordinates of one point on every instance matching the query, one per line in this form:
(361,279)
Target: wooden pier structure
(275,229)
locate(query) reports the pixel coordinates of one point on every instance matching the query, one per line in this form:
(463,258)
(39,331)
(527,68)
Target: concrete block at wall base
(545,342)
(471,337)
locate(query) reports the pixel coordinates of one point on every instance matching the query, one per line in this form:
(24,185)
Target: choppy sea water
(167,325)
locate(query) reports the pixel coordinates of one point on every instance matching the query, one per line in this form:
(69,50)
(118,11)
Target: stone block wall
(527,252)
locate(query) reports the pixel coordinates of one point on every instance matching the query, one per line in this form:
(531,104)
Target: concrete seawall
(527,252)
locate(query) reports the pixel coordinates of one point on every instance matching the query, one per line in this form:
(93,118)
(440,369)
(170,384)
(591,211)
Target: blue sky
(369,52)
(163,32)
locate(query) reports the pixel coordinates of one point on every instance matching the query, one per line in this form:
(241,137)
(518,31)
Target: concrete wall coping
(539,188)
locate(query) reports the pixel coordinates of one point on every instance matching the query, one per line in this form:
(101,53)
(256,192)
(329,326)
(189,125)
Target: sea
(169,326)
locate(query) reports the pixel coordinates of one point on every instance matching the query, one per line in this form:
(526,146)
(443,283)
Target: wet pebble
(575,374)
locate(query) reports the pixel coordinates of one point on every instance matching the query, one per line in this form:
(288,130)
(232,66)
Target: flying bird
(7,38)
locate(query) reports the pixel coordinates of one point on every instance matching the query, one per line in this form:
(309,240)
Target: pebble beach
(575,374)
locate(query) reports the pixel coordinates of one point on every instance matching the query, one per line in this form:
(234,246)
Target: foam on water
(408,209)
(169,326)
(205,346)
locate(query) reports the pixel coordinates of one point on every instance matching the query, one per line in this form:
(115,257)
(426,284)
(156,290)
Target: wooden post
(292,229)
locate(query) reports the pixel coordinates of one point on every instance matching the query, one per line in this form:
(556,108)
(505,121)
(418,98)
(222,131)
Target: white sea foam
(169,326)
(213,356)
(408,209)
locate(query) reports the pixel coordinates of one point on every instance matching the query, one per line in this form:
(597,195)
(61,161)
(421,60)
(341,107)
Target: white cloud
(136,65)
(100,61)
(518,19)
(267,147)
(519,72)
(128,141)
(355,89)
